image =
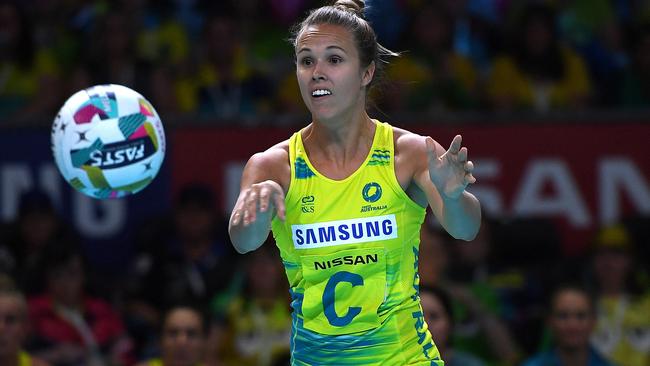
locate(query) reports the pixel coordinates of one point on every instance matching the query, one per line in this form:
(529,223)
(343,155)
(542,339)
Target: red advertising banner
(582,175)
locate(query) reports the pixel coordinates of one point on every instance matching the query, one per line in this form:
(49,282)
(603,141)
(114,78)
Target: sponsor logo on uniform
(351,260)
(341,232)
(307,204)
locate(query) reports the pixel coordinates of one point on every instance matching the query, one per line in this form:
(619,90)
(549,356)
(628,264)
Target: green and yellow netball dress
(350,251)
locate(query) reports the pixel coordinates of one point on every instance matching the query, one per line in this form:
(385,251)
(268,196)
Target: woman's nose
(318,73)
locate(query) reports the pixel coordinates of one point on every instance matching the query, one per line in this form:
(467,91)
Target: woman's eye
(335,60)
(306,61)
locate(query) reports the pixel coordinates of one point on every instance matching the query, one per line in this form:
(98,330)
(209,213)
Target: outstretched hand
(259,198)
(450,171)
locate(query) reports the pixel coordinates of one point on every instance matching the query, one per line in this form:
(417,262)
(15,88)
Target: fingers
(262,197)
(251,207)
(242,211)
(462,155)
(279,205)
(469,167)
(454,148)
(238,211)
(431,148)
(235,218)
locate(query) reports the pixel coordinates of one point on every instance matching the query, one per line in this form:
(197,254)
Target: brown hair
(350,15)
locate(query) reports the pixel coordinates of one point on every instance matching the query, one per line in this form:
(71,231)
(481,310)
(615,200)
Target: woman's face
(331,79)
(182,338)
(571,320)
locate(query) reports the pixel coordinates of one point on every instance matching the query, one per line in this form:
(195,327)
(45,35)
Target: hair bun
(355,6)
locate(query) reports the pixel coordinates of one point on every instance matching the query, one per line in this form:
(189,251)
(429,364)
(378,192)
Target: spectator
(635,92)
(592,27)
(14,330)
(438,313)
(71,327)
(29,74)
(581,20)
(112,56)
(431,75)
(571,320)
(480,302)
(622,331)
(475,314)
(474,33)
(540,74)
(256,328)
(607,59)
(185,257)
(37,227)
(163,43)
(227,85)
(433,257)
(183,338)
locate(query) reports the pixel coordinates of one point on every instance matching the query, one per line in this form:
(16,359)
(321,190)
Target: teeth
(320,92)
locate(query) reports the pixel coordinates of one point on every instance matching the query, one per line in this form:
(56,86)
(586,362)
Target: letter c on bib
(329,296)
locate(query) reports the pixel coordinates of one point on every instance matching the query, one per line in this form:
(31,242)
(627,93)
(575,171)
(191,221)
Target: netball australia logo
(371,192)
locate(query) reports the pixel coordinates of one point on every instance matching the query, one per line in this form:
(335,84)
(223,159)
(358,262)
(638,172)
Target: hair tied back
(354,6)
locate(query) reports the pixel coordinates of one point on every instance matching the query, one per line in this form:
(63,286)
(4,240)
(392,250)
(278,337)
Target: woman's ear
(368,74)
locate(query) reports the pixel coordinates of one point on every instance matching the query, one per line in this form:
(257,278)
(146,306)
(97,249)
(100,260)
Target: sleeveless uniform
(350,252)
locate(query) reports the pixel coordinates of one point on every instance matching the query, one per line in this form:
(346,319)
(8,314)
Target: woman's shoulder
(410,154)
(282,145)
(272,163)
(276,154)
(407,142)
(400,135)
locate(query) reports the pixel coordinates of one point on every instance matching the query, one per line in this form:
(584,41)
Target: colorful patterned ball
(108,141)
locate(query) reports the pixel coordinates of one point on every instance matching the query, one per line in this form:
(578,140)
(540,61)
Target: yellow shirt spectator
(509,86)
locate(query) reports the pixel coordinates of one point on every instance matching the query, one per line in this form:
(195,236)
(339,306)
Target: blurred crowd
(227,61)
(185,298)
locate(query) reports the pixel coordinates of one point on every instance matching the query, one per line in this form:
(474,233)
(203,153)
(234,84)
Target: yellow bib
(350,250)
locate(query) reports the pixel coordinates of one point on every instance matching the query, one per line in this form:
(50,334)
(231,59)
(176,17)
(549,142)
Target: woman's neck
(339,140)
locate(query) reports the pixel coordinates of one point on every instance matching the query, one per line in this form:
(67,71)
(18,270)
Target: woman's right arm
(263,186)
